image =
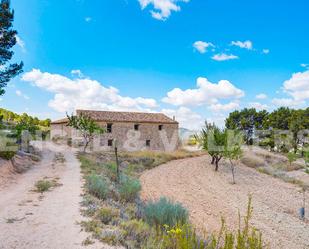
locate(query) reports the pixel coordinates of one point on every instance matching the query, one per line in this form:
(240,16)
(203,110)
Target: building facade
(130,131)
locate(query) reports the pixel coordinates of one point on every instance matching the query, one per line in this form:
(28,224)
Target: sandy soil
(30,220)
(208,195)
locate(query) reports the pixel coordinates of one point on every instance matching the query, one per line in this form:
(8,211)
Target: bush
(135,233)
(106,215)
(97,186)
(43,186)
(252,161)
(111,171)
(165,212)
(7,155)
(129,188)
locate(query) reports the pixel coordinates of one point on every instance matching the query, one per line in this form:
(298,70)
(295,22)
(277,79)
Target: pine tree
(7,41)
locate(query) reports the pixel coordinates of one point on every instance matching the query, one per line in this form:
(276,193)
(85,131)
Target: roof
(60,121)
(136,117)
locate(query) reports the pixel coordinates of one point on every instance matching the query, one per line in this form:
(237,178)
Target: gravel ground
(209,195)
(29,220)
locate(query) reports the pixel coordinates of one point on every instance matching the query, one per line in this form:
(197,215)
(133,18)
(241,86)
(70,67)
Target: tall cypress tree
(7,41)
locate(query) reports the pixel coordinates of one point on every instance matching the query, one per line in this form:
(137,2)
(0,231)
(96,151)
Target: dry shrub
(252,161)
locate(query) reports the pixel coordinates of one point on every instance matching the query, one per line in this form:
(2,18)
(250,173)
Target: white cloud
(304,65)
(258,106)
(246,44)
(224,107)
(71,94)
(265,51)
(186,117)
(88,19)
(261,96)
(20,43)
(288,102)
(1,99)
(162,8)
(77,72)
(20,94)
(298,86)
(202,46)
(224,57)
(205,93)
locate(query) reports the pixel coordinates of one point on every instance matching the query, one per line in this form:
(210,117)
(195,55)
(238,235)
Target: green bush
(97,186)
(135,233)
(43,186)
(129,188)
(111,171)
(7,155)
(165,212)
(106,215)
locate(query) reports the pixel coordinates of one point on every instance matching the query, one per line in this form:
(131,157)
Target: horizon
(195,60)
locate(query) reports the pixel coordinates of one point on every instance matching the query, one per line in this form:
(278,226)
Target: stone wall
(147,137)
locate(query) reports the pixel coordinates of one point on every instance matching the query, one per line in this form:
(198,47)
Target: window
(148,143)
(160,127)
(136,127)
(110,142)
(109,128)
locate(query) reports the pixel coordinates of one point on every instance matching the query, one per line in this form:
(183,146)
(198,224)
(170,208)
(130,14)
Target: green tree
(86,126)
(232,150)
(279,119)
(247,120)
(213,139)
(297,123)
(7,42)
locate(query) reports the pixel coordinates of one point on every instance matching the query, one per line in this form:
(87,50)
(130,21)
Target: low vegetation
(117,216)
(42,186)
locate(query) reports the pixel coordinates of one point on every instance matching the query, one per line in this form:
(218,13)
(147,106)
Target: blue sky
(195,59)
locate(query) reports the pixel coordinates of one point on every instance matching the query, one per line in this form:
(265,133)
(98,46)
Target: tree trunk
(212,160)
(233,171)
(217,164)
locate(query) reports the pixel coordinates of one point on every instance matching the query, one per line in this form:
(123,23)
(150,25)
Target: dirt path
(29,220)
(209,195)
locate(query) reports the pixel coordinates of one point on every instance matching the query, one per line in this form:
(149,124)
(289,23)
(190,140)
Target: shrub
(111,171)
(252,161)
(106,215)
(43,186)
(97,186)
(129,188)
(135,233)
(7,155)
(165,212)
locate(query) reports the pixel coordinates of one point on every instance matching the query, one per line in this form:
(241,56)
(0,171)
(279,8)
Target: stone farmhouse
(131,131)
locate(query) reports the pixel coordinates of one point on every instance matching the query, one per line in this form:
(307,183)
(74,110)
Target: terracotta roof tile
(138,117)
(60,121)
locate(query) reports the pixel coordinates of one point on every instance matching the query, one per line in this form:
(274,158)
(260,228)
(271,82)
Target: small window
(136,127)
(160,127)
(148,143)
(109,128)
(110,142)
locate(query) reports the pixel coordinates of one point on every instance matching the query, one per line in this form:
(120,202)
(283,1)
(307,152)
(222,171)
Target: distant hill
(185,133)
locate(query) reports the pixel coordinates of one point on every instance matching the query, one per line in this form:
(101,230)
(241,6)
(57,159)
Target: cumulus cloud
(261,96)
(20,94)
(288,102)
(265,51)
(202,46)
(246,44)
(298,86)
(20,43)
(71,94)
(205,93)
(224,57)
(224,107)
(258,105)
(186,117)
(162,8)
